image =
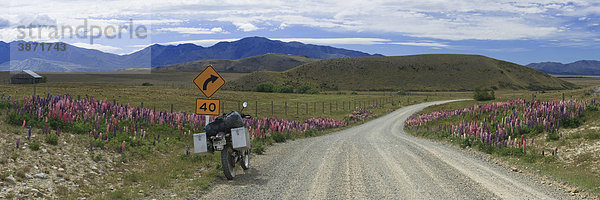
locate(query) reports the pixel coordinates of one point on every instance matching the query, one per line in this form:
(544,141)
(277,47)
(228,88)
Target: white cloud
(204,43)
(437,19)
(322,41)
(333,41)
(246,27)
(100,47)
(189,30)
(421,44)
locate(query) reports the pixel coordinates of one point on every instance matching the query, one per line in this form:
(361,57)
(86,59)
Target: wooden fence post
(286,108)
(256,109)
(272,112)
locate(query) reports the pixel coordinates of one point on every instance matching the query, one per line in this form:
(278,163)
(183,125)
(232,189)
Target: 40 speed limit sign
(208,106)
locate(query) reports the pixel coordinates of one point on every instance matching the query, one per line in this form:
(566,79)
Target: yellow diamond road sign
(209,81)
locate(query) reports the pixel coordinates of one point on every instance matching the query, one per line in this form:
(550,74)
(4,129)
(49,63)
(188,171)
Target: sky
(523,31)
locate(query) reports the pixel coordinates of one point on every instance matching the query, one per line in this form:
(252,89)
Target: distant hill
(37,64)
(434,72)
(582,67)
(4,52)
(87,60)
(266,62)
(161,55)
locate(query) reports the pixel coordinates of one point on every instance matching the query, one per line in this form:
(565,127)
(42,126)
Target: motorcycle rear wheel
(228,162)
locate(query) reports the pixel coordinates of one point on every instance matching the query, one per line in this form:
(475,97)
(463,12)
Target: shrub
(303,89)
(402,92)
(98,143)
(264,87)
(79,128)
(354,93)
(14,155)
(97,157)
(552,136)
(592,136)
(533,130)
(310,133)
(52,139)
(4,174)
(312,91)
(278,137)
(259,148)
(146,84)
(466,142)
(483,95)
(4,105)
(34,145)
(17,119)
(571,123)
(284,89)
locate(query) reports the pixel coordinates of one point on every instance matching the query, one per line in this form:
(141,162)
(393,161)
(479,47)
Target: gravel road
(377,160)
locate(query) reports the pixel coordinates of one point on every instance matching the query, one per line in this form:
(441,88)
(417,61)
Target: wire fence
(266,109)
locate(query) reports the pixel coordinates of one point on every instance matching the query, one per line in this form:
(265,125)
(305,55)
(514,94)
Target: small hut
(26,77)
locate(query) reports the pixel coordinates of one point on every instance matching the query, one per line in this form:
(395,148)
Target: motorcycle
(229,135)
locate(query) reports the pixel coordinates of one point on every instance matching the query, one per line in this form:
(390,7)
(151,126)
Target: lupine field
(123,126)
(507,127)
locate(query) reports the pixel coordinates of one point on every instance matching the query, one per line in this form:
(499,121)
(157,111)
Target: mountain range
(90,60)
(582,67)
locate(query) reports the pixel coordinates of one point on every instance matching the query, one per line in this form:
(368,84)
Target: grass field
(173,79)
(584,81)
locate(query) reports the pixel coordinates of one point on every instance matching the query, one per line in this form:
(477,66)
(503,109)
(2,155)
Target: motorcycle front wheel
(228,162)
(246,160)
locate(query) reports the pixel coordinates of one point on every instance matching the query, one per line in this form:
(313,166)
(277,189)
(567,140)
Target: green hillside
(266,62)
(433,72)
